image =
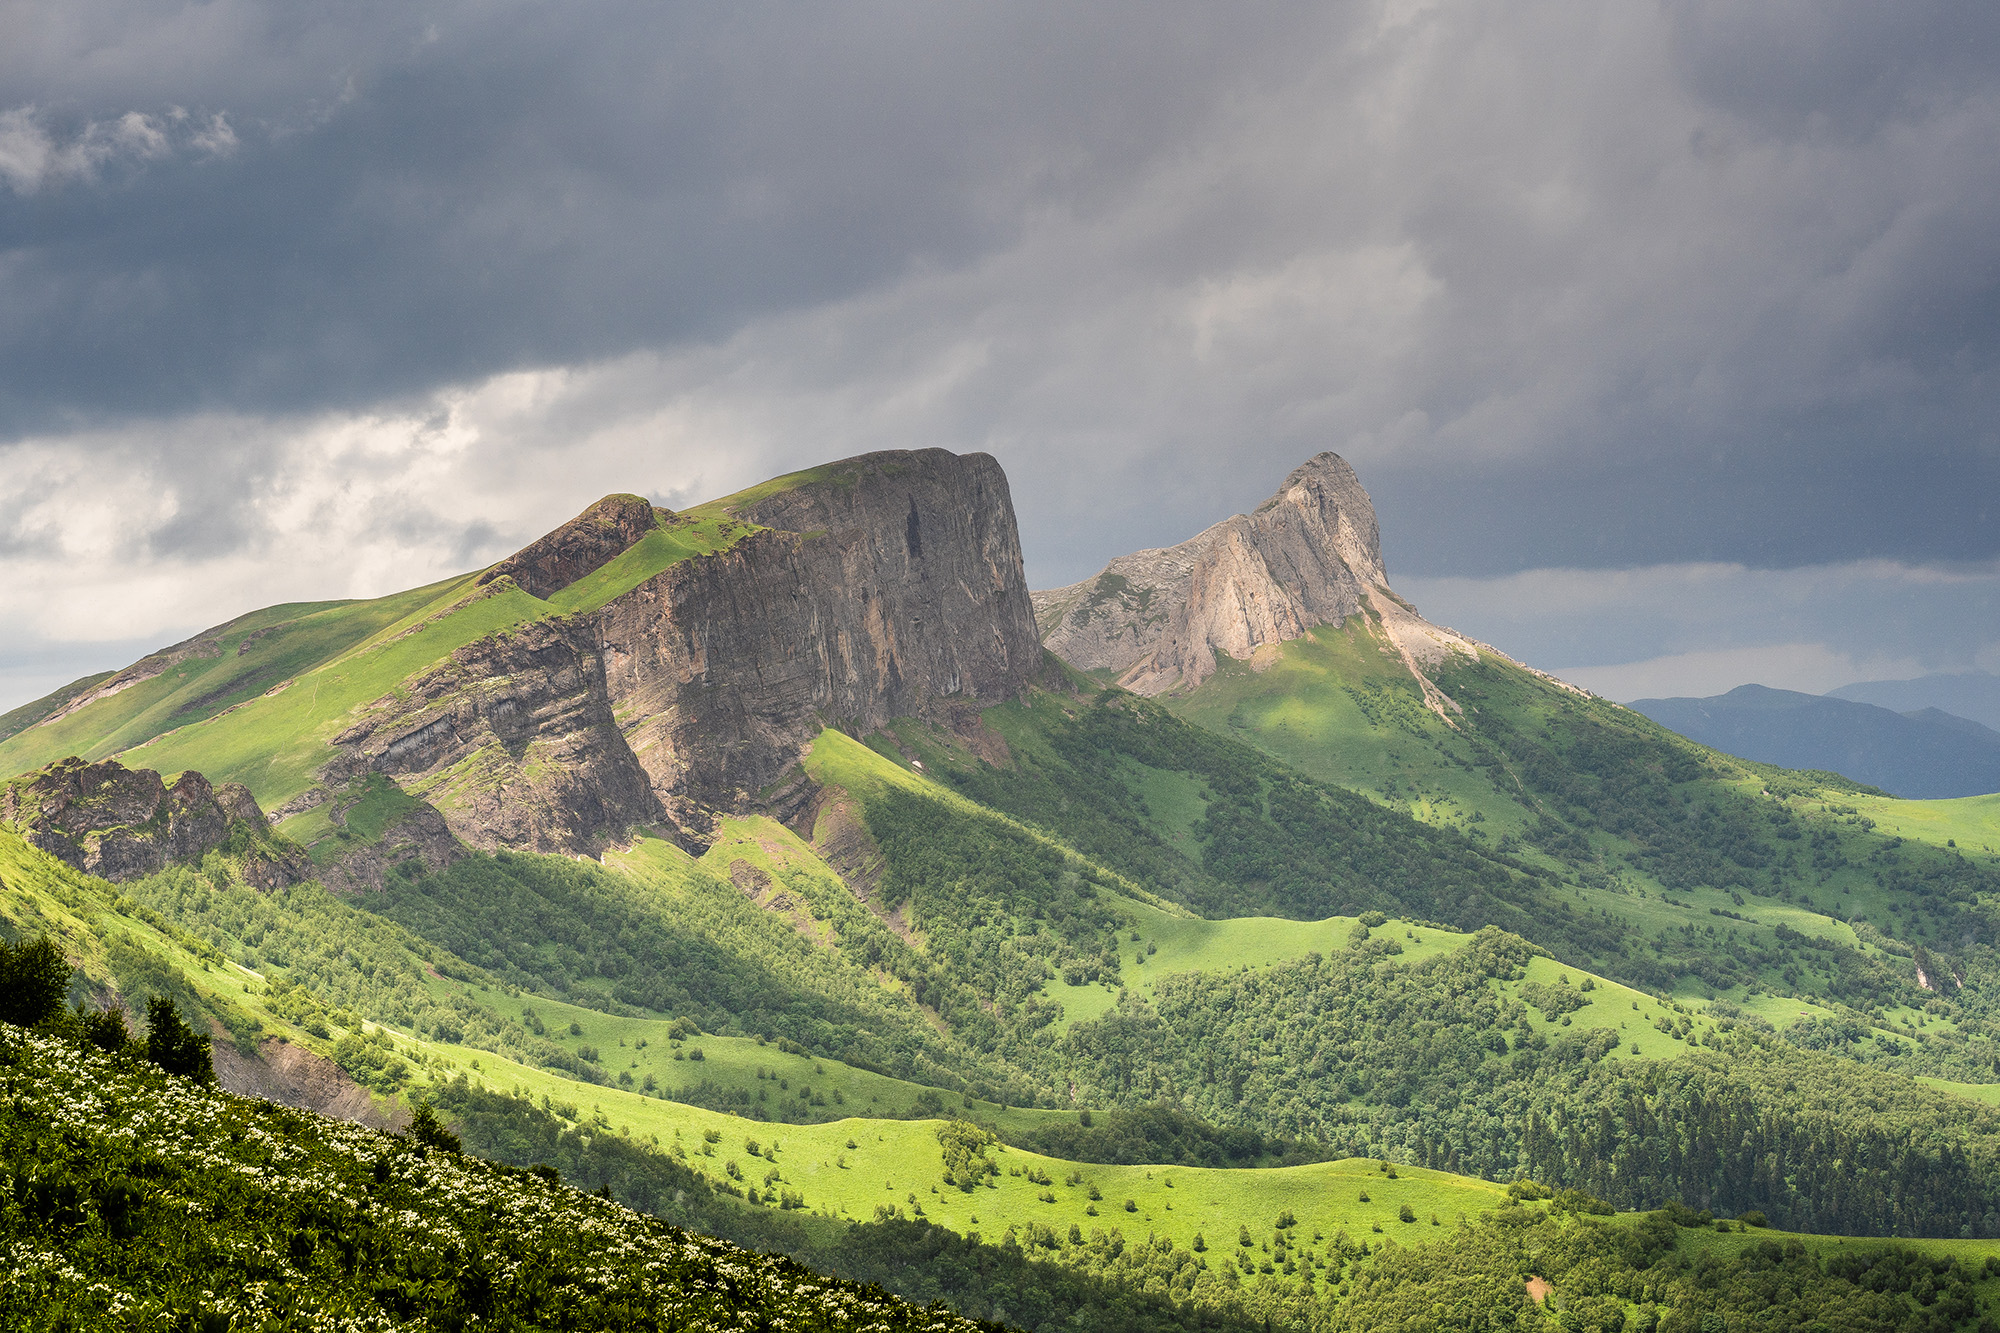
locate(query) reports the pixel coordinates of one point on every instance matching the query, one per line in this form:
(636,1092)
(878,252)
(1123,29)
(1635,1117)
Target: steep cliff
(883,586)
(1308,556)
(122,823)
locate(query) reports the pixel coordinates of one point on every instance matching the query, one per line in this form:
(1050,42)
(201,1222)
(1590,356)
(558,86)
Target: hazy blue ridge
(1967,694)
(1920,755)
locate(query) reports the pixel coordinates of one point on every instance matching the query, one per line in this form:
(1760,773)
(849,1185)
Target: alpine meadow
(775,914)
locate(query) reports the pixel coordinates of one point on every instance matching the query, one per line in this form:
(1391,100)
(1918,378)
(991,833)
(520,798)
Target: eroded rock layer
(123,823)
(579,547)
(1308,556)
(884,586)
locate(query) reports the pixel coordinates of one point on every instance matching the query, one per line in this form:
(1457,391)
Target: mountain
(1920,755)
(1309,556)
(633,668)
(1967,694)
(757,864)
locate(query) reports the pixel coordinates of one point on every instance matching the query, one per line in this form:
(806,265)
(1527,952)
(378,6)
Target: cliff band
(884,586)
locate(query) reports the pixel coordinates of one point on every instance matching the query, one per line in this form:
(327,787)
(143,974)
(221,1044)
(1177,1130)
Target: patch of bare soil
(293,1076)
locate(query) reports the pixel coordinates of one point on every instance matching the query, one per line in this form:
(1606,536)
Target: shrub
(34,981)
(427,1129)
(173,1045)
(105,1029)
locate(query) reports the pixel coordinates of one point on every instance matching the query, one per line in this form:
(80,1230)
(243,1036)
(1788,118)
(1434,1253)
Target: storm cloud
(304,302)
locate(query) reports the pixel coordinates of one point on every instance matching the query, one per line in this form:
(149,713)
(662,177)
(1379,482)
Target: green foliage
(34,981)
(1434,1064)
(138,1200)
(1001,910)
(1164,1135)
(1599,1272)
(427,1129)
(966,1164)
(173,1045)
(619,942)
(1269,839)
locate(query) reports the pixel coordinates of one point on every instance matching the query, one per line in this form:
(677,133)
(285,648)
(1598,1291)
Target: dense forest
(1430,1063)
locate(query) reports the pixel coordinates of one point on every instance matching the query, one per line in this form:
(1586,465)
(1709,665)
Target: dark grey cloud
(448,191)
(310,300)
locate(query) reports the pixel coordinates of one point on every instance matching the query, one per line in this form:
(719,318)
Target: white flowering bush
(137,1200)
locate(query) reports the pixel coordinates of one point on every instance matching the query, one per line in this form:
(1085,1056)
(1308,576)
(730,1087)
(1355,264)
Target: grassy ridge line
(214,713)
(282,641)
(1968,824)
(16,720)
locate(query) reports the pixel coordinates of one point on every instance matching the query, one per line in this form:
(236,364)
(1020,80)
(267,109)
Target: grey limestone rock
(884,586)
(1308,556)
(124,823)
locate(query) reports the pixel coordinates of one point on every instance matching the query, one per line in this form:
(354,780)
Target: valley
(758,864)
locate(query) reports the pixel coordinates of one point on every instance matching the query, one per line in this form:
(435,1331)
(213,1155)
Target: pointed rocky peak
(1310,555)
(582,546)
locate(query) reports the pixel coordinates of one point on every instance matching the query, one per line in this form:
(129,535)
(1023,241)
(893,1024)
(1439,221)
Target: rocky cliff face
(579,547)
(884,586)
(122,823)
(1308,556)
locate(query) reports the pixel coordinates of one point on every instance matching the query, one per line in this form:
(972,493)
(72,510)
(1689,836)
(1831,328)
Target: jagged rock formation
(581,546)
(885,586)
(1308,556)
(123,823)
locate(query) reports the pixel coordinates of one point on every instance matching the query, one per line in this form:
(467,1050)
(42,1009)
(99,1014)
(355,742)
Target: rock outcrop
(884,586)
(123,823)
(1308,556)
(579,547)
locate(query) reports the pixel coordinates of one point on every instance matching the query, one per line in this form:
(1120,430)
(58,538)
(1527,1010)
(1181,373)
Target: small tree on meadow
(173,1045)
(34,981)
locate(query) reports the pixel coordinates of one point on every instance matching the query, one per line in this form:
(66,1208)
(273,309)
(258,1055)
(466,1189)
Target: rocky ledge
(123,823)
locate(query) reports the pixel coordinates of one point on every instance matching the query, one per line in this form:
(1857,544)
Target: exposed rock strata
(293,1076)
(422,837)
(884,586)
(513,740)
(123,823)
(1308,556)
(579,547)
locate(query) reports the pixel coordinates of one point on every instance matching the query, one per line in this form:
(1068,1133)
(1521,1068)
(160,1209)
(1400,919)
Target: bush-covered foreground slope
(142,1200)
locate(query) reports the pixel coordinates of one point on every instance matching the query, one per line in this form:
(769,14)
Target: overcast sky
(1667,337)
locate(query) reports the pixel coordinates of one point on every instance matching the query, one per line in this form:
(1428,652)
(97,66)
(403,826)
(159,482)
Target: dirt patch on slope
(293,1076)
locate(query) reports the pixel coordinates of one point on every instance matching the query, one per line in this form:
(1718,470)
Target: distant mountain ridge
(1967,694)
(1925,754)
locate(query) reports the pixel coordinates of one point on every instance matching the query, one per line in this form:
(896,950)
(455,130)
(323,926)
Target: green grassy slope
(1644,829)
(257,702)
(16,720)
(241,660)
